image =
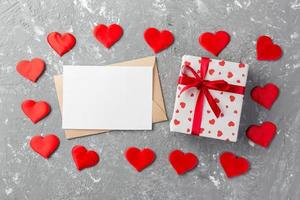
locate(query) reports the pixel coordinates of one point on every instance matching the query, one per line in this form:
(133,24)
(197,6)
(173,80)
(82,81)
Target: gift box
(209,98)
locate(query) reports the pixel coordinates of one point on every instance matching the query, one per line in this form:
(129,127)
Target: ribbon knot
(204,86)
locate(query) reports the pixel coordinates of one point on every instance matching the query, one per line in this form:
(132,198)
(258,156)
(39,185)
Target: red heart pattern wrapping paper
(226,126)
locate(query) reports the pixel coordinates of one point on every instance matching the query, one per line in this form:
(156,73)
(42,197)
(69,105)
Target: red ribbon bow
(203,86)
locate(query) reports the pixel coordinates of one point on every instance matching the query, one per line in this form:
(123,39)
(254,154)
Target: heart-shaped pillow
(158,40)
(140,159)
(182,162)
(265,95)
(233,165)
(44,145)
(31,70)
(61,43)
(35,111)
(266,49)
(263,134)
(84,158)
(108,36)
(214,42)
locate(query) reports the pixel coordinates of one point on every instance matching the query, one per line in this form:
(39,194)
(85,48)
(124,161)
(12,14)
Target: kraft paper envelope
(158,106)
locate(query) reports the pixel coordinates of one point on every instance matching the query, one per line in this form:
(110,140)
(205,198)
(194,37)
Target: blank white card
(107,97)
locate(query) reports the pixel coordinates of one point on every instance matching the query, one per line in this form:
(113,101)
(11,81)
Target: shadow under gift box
(209,98)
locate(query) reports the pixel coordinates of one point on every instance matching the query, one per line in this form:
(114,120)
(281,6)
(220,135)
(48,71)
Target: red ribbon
(204,86)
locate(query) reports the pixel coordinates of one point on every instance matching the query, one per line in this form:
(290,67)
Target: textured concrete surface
(275,172)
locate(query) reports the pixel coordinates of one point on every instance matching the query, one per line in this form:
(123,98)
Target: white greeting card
(104,97)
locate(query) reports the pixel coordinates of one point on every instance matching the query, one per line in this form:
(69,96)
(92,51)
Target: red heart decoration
(84,158)
(266,49)
(140,159)
(108,36)
(35,110)
(158,40)
(263,134)
(182,105)
(231,123)
(214,42)
(61,43)
(183,162)
(233,165)
(31,70)
(265,95)
(44,146)
(176,122)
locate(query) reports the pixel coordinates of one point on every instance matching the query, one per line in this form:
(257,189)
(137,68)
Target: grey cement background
(24,25)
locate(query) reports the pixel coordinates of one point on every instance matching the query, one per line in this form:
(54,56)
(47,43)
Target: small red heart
(84,158)
(219,133)
(214,42)
(190,119)
(222,63)
(61,43)
(182,104)
(35,110)
(265,95)
(229,75)
(212,121)
(263,134)
(233,165)
(182,162)
(31,70)
(44,146)
(266,49)
(242,65)
(177,111)
(140,159)
(231,123)
(201,130)
(232,98)
(158,40)
(108,36)
(211,71)
(176,122)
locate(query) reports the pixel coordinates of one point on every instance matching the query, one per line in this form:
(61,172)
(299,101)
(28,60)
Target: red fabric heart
(266,49)
(263,134)
(35,111)
(108,36)
(233,165)
(44,146)
(140,159)
(214,42)
(61,43)
(158,40)
(84,158)
(182,162)
(31,70)
(265,95)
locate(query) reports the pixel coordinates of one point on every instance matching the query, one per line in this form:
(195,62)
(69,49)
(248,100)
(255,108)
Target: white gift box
(217,83)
